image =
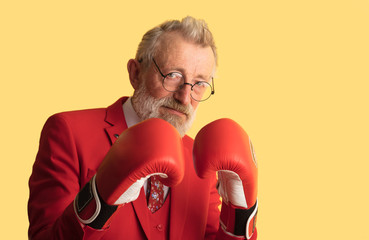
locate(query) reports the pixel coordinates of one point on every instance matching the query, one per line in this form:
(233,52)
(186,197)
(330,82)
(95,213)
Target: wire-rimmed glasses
(175,81)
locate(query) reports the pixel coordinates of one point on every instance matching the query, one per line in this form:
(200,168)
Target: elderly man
(127,171)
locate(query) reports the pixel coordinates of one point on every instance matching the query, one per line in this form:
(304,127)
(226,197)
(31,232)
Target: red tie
(156,198)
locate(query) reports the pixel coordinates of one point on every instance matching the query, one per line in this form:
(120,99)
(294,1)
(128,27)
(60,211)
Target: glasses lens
(201,91)
(173,81)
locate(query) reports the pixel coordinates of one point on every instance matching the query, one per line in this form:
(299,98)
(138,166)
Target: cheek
(154,86)
(156,89)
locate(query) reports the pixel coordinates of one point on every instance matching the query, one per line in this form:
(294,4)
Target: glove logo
(253,153)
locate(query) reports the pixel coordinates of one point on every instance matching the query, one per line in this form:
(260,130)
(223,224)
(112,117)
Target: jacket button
(159,227)
(116,135)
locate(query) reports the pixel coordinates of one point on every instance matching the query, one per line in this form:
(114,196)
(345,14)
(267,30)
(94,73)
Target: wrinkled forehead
(175,51)
(173,42)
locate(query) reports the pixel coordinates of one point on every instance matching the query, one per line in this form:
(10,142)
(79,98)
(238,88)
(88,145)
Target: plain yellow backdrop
(294,74)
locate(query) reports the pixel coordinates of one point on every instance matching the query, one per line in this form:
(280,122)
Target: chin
(176,122)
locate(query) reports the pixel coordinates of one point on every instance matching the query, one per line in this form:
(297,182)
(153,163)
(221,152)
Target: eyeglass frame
(186,83)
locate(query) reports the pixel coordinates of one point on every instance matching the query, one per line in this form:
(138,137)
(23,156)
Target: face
(194,62)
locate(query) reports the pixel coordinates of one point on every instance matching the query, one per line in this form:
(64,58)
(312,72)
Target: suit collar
(115,117)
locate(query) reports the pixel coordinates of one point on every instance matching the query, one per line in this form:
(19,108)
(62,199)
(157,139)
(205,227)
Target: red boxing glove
(223,146)
(152,147)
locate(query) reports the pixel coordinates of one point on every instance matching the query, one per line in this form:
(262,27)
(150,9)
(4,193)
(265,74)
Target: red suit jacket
(72,146)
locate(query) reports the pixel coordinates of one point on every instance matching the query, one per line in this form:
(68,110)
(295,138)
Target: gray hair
(194,30)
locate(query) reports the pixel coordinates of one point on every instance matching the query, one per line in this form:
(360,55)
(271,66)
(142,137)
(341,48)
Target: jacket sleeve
(53,184)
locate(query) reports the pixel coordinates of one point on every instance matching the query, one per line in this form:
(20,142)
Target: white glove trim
(133,191)
(98,204)
(230,188)
(248,221)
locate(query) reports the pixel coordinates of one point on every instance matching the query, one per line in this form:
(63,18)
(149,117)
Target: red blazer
(72,146)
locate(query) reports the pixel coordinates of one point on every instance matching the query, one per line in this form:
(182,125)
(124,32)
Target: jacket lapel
(140,207)
(115,117)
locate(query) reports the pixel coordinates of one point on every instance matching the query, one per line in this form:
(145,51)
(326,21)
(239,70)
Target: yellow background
(294,74)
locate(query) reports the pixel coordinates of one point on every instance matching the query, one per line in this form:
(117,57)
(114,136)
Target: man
(97,171)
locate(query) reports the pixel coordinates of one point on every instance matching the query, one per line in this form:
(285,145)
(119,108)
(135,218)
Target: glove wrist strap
(91,209)
(238,221)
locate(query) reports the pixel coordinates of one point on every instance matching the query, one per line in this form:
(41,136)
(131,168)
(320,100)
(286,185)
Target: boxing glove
(152,147)
(223,146)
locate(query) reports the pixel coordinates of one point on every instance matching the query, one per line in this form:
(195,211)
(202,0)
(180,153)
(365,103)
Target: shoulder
(79,115)
(89,117)
(77,119)
(73,123)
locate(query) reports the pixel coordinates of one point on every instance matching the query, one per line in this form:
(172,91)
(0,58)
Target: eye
(202,84)
(174,76)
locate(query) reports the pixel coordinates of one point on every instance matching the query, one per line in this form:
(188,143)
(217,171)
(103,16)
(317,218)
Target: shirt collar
(130,114)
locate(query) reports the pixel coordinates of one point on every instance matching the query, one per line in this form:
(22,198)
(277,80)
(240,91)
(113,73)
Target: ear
(134,68)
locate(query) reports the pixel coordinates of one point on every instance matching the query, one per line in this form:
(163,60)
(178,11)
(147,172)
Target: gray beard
(147,107)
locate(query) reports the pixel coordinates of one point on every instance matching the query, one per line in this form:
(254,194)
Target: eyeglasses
(175,81)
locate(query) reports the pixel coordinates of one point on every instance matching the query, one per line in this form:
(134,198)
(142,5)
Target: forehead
(176,52)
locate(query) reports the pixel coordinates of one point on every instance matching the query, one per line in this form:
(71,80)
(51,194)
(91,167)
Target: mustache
(173,104)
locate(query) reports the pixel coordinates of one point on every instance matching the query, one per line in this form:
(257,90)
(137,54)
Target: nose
(183,95)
